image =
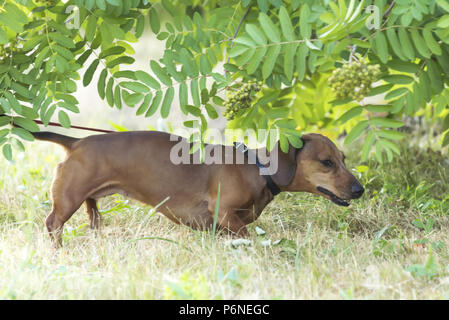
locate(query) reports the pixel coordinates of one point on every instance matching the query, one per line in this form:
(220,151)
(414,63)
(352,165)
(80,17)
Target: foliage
(291,46)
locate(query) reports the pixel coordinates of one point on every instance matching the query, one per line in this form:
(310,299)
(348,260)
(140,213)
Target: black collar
(272,186)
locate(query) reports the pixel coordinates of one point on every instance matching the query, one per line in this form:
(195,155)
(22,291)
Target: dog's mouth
(333,197)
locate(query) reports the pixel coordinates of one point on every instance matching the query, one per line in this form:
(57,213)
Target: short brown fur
(137,164)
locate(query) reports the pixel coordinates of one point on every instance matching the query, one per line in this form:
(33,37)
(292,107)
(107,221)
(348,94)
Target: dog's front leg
(229,220)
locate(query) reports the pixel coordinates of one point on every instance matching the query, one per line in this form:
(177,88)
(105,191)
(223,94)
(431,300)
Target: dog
(137,164)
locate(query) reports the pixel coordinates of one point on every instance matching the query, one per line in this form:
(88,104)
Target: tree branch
(237,30)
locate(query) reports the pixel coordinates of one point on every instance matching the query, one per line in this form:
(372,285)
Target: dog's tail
(60,139)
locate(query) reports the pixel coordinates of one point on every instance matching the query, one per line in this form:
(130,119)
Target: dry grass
(327,252)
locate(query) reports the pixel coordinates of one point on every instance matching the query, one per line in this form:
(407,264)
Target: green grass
(391,244)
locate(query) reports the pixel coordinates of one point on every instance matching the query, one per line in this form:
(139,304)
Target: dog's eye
(327,163)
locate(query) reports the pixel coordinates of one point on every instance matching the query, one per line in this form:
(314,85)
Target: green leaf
(160,73)
(356,132)
(283,142)
(406,45)
(9,21)
(263,5)
(205,66)
(117,97)
(91,28)
(211,112)
(295,141)
(445,138)
(7,152)
(62,40)
(115,3)
(443,22)
(24,134)
(166,104)
(394,43)
(367,145)
(64,119)
(304,27)
(270,61)
(3,133)
(194,90)
(140,26)
(154,21)
(381,47)
(120,60)
(301,57)
(386,144)
(257,59)
(403,66)
(16,13)
(101,4)
(269,28)
(390,134)
(398,79)
(155,104)
(348,115)
(286,25)
(82,58)
(46,118)
(90,72)
(378,107)
(125,74)
(385,122)
(145,104)
(101,84)
(396,93)
(134,86)
(111,52)
(443,4)
(432,44)
(245,41)
(237,51)
(290,50)
(147,79)
(109,92)
(66,53)
(183,96)
(132,99)
(4,120)
(420,44)
(256,34)
(66,97)
(244,58)
(13,102)
(3,36)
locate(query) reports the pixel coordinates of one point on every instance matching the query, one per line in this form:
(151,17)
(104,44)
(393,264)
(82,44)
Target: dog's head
(319,168)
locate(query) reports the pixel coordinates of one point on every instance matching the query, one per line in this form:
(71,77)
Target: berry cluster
(240,99)
(353,80)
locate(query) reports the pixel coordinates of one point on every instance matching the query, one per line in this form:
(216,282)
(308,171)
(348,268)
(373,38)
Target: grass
(391,244)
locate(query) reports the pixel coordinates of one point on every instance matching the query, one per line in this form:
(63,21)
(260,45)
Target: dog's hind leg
(62,211)
(93,213)
(68,194)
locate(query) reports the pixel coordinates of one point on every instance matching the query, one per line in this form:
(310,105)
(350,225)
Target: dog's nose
(357,190)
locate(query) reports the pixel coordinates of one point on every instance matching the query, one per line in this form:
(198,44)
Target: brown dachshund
(137,164)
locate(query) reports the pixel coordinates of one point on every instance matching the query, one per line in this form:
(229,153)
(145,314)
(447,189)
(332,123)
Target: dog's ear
(286,166)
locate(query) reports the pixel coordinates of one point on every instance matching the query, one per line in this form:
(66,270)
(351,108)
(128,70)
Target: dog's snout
(357,190)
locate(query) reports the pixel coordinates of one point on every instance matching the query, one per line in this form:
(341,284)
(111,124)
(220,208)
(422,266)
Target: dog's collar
(272,186)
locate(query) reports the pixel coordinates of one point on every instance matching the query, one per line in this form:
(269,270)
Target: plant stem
(237,30)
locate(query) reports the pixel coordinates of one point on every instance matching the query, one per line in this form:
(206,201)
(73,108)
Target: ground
(390,244)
